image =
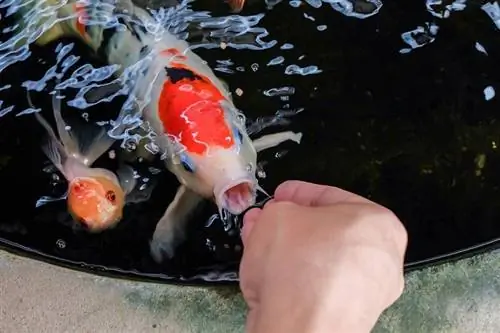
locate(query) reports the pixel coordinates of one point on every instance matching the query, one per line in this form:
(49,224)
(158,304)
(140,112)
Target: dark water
(412,131)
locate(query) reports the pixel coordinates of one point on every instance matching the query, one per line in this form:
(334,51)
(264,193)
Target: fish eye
(186,166)
(111,196)
(186,163)
(238,135)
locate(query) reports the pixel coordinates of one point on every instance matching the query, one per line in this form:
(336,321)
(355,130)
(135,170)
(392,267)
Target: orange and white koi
(193,115)
(96,196)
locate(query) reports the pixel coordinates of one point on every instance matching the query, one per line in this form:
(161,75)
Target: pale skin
(320,259)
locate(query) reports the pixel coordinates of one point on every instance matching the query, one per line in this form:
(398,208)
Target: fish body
(96,196)
(198,128)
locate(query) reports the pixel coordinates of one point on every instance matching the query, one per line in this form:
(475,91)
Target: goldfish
(96,196)
(199,130)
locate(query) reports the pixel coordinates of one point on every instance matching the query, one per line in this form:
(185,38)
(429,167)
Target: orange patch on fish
(81,13)
(173,52)
(190,111)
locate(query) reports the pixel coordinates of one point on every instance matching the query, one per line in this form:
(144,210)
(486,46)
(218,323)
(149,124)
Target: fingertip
(286,189)
(251,214)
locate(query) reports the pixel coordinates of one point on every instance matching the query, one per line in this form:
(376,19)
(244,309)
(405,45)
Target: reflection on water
(395,103)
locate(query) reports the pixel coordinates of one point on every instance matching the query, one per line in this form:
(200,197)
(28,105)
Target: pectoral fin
(53,148)
(170,230)
(272,140)
(126,177)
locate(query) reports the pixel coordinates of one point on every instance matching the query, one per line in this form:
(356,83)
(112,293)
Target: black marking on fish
(130,28)
(144,50)
(176,74)
(107,37)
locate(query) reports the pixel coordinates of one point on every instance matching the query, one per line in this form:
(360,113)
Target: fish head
(224,173)
(96,201)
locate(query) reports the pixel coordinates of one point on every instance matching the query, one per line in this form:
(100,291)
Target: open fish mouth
(236,196)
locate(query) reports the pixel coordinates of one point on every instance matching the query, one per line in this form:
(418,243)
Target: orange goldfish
(96,196)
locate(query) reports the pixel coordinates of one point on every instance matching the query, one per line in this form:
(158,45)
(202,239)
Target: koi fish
(198,128)
(96,196)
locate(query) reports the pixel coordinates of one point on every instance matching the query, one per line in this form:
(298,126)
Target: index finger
(310,194)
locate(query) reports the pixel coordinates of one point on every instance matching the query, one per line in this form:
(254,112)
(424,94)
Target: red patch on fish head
(190,110)
(81,14)
(173,52)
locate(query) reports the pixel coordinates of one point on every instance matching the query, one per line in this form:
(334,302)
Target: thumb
(310,194)
(249,220)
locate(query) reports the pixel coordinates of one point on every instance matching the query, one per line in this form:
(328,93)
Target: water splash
(282,91)
(419,37)
(493,11)
(203,30)
(297,70)
(480,48)
(360,9)
(240,32)
(47,199)
(489,93)
(276,61)
(438,9)
(309,17)
(281,116)
(224,66)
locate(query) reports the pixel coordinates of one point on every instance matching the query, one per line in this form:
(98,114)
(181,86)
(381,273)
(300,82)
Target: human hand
(320,259)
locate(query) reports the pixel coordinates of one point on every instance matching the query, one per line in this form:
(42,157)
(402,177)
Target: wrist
(339,318)
(347,303)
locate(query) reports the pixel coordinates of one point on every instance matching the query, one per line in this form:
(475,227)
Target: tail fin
(53,148)
(86,145)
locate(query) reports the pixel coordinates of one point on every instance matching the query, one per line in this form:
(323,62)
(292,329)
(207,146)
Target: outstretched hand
(320,259)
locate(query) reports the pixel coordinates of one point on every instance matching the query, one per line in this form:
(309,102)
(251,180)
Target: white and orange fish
(96,196)
(191,111)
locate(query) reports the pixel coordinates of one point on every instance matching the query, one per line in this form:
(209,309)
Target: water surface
(396,102)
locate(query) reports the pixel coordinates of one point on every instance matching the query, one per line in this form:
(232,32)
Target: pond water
(396,101)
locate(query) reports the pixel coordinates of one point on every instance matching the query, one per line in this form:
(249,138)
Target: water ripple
(360,9)
(308,70)
(493,11)
(419,37)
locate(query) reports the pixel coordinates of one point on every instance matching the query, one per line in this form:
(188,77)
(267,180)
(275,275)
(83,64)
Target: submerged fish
(96,196)
(236,5)
(197,126)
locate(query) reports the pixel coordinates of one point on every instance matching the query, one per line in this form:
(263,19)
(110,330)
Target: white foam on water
(419,37)
(489,93)
(493,11)
(297,70)
(480,48)
(439,9)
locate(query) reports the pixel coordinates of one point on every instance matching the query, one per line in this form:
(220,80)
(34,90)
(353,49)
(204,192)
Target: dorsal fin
(85,144)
